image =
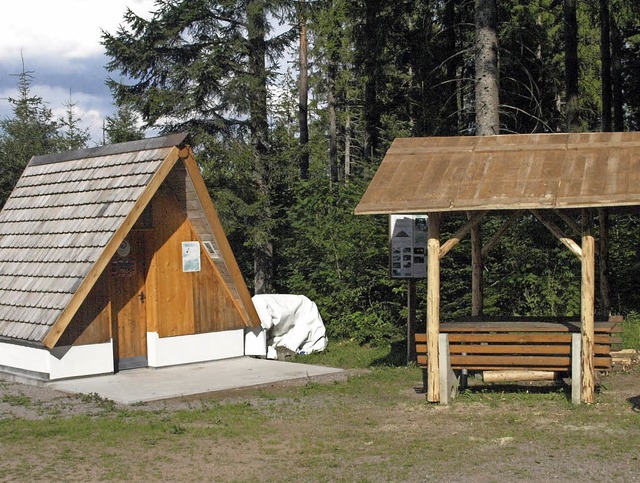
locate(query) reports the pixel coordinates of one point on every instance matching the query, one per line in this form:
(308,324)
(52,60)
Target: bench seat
(540,345)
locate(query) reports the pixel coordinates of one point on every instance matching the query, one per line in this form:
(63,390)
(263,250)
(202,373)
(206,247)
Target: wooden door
(127,289)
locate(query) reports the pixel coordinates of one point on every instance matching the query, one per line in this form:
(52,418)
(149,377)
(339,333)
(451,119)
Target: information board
(408,246)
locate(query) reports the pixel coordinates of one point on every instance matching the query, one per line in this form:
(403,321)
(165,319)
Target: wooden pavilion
(554,175)
(112,258)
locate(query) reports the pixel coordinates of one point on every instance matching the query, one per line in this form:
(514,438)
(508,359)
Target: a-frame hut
(563,177)
(114,257)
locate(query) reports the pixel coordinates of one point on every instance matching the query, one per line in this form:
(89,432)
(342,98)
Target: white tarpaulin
(291,322)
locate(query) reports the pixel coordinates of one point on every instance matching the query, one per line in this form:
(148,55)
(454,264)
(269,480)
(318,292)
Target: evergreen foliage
(204,66)
(377,70)
(33,131)
(122,127)
(72,136)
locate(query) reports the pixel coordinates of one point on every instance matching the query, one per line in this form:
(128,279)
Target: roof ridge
(120,148)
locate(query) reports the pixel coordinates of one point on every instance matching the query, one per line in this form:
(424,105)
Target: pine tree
(72,136)
(122,127)
(31,131)
(486,61)
(303,90)
(203,66)
(572,109)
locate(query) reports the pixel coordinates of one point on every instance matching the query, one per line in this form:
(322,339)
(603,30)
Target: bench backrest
(527,345)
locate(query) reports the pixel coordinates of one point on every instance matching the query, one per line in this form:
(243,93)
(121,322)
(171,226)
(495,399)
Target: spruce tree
(122,127)
(203,66)
(72,136)
(31,131)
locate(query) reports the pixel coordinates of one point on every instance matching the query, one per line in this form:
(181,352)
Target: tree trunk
(487,117)
(605,56)
(333,60)
(616,77)
(486,62)
(347,146)
(263,248)
(477,285)
(571,65)
(303,93)
(372,70)
(449,20)
(333,125)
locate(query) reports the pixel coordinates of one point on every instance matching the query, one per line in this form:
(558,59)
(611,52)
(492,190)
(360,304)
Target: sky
(59,41)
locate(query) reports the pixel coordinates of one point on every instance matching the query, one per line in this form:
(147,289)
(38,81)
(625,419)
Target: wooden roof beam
(559,234)
(501,231)
(461,233)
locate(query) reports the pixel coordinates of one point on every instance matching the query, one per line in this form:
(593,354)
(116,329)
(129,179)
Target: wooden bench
(488,344)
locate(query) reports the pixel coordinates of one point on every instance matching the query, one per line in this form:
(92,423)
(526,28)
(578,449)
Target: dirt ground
(365,425)
(45,402)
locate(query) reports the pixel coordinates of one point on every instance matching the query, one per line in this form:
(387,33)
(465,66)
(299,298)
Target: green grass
(348,354)
(631,331)
(17,400)
(370,426)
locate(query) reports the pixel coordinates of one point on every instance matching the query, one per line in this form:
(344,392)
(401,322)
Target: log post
(576,368)
(433,307)
(587,308)
(603,261)
(477,289)
(411,320)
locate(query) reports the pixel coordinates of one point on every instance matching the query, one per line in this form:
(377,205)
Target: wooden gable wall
(177,303)
(186,303)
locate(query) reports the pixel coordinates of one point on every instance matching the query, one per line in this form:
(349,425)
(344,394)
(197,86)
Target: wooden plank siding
(92,322)
(186,303)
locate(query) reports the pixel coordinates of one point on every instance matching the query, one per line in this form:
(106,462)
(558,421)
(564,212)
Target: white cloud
(90,109)
(59,41)
(61,29)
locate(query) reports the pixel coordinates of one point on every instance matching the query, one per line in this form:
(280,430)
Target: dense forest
(291,106)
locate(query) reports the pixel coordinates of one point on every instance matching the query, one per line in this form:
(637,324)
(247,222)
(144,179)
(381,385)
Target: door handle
(142,296)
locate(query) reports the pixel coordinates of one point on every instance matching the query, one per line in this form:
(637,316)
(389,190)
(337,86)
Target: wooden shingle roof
(528,171)
(62,224)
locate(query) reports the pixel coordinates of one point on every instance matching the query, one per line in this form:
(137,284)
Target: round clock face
(124,249)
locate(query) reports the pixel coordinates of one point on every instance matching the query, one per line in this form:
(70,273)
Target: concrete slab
(149,384)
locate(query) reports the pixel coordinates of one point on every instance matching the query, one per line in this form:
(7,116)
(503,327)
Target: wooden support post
(477,289)
(576,368)
(411,321)
(448,380)
(603,261)
(433,307)
(587,308)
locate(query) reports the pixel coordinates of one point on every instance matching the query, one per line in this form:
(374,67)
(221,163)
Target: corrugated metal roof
(527,171)
(57,222)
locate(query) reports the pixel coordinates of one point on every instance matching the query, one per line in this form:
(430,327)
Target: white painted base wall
(255,342)
(93,359)
(59,363)
(187,349)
